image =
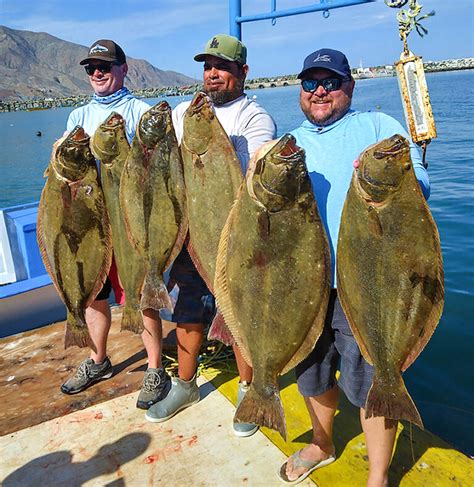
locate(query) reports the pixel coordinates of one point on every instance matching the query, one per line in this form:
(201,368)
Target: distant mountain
(36,64)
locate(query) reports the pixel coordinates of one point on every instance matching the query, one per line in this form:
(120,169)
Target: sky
(168,33)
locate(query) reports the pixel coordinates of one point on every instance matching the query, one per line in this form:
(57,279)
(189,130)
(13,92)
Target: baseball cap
(328,59)
(226,47)
(105,50)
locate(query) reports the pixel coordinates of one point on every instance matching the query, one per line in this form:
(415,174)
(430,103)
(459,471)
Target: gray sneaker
(87,374)
(155,387)
(243,429)
(182,394)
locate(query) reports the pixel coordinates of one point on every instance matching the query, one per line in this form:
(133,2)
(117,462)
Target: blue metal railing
(236,19)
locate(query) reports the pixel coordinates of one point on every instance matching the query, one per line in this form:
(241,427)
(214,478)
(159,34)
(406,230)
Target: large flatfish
(110,146)
(73,231)
(272,275)
(153,200)
(213,175)
(389,272)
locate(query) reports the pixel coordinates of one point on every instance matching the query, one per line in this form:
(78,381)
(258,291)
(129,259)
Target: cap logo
(98,48)
(325,58)
(214,44)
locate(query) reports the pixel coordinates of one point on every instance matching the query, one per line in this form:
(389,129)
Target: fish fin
(77,333)
(221,288)
(155,295)
(219,331)
(313,334)
(374,223)
(391,402)
(264,410)
(131,320)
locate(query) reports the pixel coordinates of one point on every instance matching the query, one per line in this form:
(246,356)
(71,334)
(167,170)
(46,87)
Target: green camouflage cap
(226,47)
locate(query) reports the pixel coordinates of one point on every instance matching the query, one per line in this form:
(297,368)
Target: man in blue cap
(333,135)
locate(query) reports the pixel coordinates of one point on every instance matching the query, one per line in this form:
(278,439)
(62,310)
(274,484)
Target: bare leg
(152,337)
(321,409)
(245,371)
(98,319)
(380,438)
(189,337)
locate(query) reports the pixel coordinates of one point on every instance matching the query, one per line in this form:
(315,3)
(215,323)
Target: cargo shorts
(194,302)
(335,348)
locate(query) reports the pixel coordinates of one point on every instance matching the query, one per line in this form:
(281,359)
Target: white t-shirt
(246,123)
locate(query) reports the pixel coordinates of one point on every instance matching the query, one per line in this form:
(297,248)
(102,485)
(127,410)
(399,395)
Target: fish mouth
(200,100)
(397,145)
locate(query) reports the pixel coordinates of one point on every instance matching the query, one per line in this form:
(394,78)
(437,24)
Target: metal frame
(236,19)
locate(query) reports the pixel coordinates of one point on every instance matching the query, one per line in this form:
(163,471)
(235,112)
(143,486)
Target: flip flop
(298,462)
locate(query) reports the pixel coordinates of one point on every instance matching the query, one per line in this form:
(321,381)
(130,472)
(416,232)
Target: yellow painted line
(420,458)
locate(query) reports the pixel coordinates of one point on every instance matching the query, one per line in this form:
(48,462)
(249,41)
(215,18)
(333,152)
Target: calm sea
(441,379)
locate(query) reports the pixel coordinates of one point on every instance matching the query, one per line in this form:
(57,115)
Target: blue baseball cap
(328,59)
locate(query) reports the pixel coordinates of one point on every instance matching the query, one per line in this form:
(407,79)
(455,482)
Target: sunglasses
(329,84)
(102,67)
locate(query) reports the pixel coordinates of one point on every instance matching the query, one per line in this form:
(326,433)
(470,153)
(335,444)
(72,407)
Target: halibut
(273,274)
(389,272)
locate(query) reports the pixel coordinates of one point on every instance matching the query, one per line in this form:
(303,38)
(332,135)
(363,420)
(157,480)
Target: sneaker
(243,429)
(86,374)
(181,395)
(155,387)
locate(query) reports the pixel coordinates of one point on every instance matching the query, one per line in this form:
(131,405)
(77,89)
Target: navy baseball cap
(328,59)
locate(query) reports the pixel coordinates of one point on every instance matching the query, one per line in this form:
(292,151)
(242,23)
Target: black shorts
(195,303)
(335,348)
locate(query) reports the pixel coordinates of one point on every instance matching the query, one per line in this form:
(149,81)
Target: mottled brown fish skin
(153,199)
(213,175)
(272,274)
(389,272)
(110,146)
(73,231)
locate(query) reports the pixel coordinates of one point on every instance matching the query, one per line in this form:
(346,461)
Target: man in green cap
(248,126)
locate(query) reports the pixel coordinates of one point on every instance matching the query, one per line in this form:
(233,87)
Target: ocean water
(441,379)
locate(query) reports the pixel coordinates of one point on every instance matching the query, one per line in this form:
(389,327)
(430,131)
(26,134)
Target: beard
(225,96)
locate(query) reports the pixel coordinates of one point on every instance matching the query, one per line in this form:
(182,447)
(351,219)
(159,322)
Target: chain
(409,19)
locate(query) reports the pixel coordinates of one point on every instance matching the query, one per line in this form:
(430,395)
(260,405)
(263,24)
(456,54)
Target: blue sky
(168,33)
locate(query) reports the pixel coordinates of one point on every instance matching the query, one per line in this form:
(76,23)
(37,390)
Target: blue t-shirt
(90,116)
(330,153)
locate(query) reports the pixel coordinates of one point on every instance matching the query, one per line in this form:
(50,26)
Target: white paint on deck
(111,444)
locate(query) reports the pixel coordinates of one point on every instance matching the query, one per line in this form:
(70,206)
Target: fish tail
(219,331)
(391,402)
(262,409)
(131,320)
(77,333)
(155,295)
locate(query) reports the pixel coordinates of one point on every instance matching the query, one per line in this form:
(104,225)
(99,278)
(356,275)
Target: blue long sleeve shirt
(330,153)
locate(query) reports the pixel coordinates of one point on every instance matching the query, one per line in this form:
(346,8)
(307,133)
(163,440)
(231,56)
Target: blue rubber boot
(243,429)
(181,395)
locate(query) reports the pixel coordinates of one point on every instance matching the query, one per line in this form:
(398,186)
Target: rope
(409,19)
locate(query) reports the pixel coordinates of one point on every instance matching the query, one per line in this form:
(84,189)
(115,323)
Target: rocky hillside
(36,64)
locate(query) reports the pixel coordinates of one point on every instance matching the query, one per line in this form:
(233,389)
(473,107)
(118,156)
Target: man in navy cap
(333,135)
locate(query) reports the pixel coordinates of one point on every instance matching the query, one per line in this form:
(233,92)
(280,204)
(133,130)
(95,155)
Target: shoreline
(46,103)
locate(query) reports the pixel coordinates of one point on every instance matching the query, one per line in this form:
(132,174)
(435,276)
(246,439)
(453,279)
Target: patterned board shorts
(335,348)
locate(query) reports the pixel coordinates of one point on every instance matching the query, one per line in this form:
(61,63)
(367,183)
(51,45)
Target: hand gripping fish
(110,146)
(389,272)
(73,231)
(153,200)
(272,274)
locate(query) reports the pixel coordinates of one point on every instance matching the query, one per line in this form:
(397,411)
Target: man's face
(105,83)
(322,107)
(223,80)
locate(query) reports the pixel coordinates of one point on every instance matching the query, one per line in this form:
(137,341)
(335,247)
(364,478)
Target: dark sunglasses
(102,67)
(329,84)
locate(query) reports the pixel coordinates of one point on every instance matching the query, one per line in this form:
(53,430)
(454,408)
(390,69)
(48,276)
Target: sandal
(309,465)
